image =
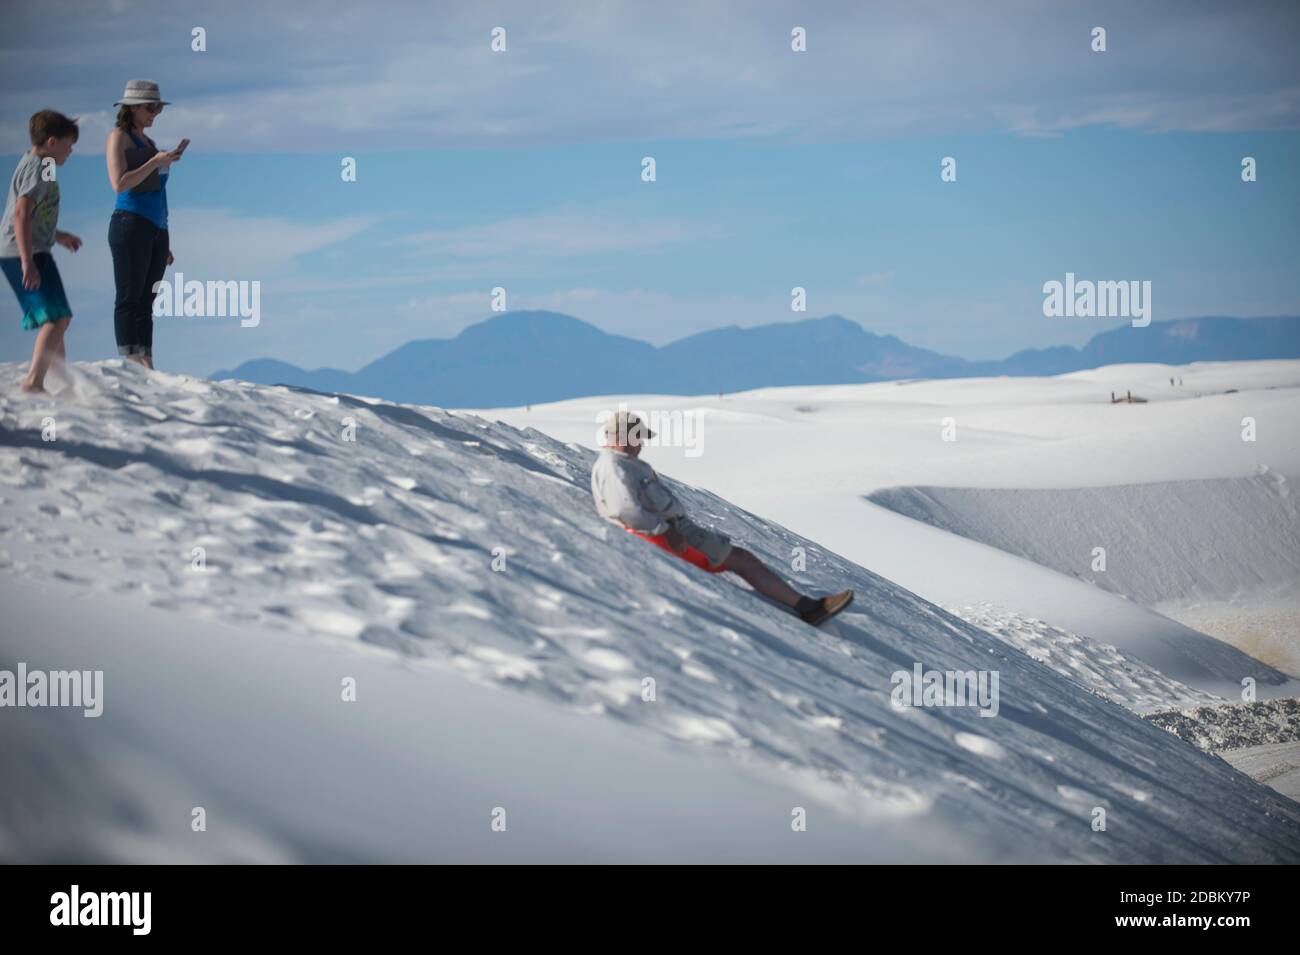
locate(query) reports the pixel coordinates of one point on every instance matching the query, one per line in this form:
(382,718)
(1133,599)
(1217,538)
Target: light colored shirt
(29,181)
(627,491)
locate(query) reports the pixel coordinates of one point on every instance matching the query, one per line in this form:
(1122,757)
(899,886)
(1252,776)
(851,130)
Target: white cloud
(561,234)
(422,75)
(877,278)
(577,295)
(216,244)
(226,245)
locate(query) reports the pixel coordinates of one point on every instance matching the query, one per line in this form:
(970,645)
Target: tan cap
(621,424)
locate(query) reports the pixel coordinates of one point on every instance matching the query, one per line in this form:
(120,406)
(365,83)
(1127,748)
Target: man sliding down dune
(629,493)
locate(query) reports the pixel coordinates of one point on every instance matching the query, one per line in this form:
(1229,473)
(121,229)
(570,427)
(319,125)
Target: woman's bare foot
(138,360)
(31,388)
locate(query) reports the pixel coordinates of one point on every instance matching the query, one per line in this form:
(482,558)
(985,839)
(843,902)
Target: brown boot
(818,611)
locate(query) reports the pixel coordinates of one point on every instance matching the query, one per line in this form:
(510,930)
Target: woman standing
(137,231)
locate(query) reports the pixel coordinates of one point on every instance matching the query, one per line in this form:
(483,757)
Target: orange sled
(691,555)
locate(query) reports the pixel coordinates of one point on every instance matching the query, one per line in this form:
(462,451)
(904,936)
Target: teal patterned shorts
(48,303)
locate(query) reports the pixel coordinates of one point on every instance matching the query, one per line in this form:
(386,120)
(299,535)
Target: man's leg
(758,576)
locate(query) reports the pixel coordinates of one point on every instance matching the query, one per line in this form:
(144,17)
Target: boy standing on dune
(27,234)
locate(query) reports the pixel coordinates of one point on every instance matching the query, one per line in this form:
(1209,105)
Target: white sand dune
(1196,540)
(226,553)
(1213,537)
(1192,549)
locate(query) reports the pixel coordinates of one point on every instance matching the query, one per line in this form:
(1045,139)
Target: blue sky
(775,169)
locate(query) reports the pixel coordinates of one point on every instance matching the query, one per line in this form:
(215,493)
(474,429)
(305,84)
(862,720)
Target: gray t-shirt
(29,181)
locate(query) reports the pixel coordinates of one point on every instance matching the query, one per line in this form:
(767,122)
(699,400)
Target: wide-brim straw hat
(140,92)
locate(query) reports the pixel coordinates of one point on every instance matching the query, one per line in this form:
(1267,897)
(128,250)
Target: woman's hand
(68,241)
(31,275)
(163,161)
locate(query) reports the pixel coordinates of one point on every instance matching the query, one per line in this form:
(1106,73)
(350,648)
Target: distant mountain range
(532,357)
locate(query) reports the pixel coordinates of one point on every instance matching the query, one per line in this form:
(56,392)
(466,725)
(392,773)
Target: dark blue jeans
(139,259)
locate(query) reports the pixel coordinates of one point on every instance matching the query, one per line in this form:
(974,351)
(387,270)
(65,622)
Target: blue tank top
(151,205)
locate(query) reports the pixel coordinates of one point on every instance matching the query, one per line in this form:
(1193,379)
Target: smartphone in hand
(180,148)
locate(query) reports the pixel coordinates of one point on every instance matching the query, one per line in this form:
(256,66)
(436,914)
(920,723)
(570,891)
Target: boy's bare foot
(58,372)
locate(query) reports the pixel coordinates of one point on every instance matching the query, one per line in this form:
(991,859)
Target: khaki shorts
(713,545)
